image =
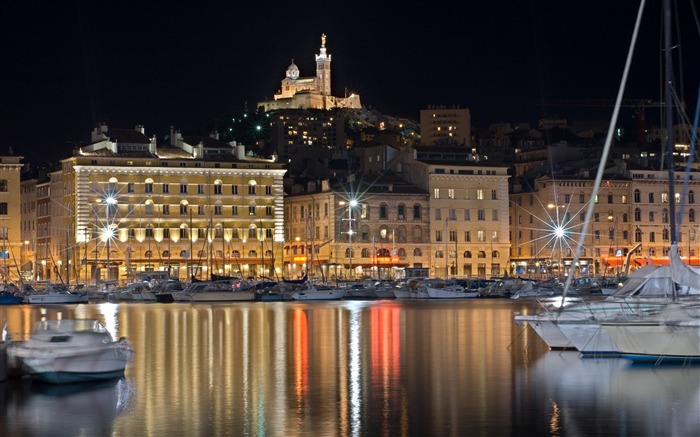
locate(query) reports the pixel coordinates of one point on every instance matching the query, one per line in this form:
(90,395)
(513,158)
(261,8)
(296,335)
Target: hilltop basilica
(313,92)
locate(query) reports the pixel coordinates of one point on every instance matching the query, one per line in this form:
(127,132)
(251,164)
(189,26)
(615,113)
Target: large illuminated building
(10,210)
(312,92)
(196,207)
(369,228)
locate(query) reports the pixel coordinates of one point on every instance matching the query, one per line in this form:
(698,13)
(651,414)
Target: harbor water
(344,368)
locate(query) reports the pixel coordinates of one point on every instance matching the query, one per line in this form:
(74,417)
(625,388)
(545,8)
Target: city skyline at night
(71,67)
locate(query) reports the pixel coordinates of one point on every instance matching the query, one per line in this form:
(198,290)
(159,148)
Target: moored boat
(72,350)
(56,294)
(312,292)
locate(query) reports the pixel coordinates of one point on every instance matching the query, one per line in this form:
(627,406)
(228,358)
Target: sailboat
(644,298)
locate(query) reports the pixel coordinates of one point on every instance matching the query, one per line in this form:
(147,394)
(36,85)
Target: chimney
(241,152)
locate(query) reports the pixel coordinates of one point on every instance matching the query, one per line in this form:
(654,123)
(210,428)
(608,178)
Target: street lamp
(109,232)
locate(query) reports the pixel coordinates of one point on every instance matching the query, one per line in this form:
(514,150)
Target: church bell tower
(323,70)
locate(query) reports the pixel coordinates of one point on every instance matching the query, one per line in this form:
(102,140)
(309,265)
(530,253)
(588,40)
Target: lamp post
(109,233)
(351,205)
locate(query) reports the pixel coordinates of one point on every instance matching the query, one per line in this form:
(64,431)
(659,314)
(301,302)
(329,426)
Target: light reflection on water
(356,368)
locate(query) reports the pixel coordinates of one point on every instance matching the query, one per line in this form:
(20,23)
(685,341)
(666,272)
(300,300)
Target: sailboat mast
(668,72)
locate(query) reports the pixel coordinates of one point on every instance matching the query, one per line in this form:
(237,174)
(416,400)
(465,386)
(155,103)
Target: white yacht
(56,294)
(72,350)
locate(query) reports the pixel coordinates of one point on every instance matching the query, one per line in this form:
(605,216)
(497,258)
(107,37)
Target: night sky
(65,66)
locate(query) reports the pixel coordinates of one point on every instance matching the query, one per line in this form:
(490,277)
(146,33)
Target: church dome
(293,71)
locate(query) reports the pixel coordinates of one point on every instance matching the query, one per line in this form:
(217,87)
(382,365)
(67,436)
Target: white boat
(56,294)
(215,291)
(577,325)
(438,289)
(671,335)
(72,350)
(312,292)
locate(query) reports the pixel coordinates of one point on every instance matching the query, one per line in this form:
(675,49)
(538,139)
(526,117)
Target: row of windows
(623,198)
(218,189)
(478,194)
(149,209)
(364,211)
(566,218)
(480,214)
(203,254)
(184,232)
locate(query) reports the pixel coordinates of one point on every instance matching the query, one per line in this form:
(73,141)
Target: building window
(637,236)
(234,189)
(494,195)
(166,188)
(691,215)
(268,190)
(217,189)
(3,185)
(234,210)
(268,211)
(200,189)
(416,212)
(691,197)
(217,209)
(251,190)
(183,188)
(494,215)
(183,209)
(637,196)
(3,208)
(467,236)
(637,215)
(200,210)
(436,193)
(438,214)
(130,187)
(383,211)
(481,215)
(401,211)
(251,210)
(166,209)
(480,194)
(581,198)
(664,215)
(450,193)
(467,215)
(438,236)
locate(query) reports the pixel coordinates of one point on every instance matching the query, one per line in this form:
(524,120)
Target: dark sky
(67,65)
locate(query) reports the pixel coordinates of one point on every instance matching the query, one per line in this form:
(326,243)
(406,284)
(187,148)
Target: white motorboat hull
(656,341)
(213,296)
(447,293)
(104,363)
(332,294)
(589,338)
(46,299)
(548,331)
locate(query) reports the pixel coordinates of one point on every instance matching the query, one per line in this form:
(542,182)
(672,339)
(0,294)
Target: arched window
(416,212)
(349,253)
(364,252)
(481,254)
(401,211)
(417,234)
(691,197)
(665,234)
(495,254)
(664,215)
(401,234)
(691,215)
(467,254)
(402,253)
(637,196)
(252,254)
(148,254)
(438,254)
(383,211)
(383,252)
(417,252)
(637,215)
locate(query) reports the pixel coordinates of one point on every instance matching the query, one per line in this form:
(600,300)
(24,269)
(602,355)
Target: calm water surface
(348,368)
